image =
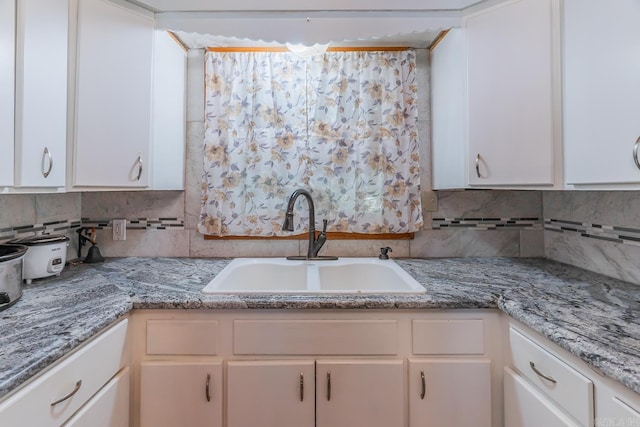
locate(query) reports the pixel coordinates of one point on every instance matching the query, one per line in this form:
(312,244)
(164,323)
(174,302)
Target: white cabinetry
(113,96)
(279,393)
(7,89)
(601,92)
(360,392)
(308,368)
(504,108)
(510,94)
(77,382)
(168,113)
(181,394)
(449,392)
(525,406)
(41,93)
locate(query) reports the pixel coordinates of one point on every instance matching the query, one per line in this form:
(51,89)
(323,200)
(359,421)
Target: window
(342,125)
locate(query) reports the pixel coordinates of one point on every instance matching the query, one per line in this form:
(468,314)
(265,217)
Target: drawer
(108,408)
(174,337)
(448,336)
(571,390)
(86,371)
(315,337)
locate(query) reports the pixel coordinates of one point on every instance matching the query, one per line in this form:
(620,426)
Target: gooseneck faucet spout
(315,244)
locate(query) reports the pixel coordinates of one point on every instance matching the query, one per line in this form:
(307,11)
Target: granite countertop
(592,316)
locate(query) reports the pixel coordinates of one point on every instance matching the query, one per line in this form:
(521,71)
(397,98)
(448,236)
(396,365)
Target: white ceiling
(305,5)
(204,23)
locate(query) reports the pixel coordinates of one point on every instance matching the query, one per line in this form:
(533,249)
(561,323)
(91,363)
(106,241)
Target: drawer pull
(423,393)
(301,387)
(70,395)
(207,389)
(328,385)
(540,374)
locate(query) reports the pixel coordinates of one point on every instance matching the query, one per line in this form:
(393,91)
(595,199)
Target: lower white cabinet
(449,392)
(175,394)
(80,381)
(271,393)
(311,368)
(360,393)
(108,408)
(525,406)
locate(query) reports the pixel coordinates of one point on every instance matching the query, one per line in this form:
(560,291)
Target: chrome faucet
(315,243)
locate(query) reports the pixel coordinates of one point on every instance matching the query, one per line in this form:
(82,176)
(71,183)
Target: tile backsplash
(594,230)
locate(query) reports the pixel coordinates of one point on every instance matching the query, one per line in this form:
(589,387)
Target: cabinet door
(448,91)
(510,94)
(601,91)
(41,93)
(108,408)
(270,393)
(169,113)
(360,393)
(444,392)
(174,394)
(524,406)
(113,100)
(7,87)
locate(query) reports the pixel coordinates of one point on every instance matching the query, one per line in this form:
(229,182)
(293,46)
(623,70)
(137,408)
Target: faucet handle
(324,225)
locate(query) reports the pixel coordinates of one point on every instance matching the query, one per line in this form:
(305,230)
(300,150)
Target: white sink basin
(346,275)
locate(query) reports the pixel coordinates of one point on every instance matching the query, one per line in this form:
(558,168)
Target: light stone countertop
(592,316)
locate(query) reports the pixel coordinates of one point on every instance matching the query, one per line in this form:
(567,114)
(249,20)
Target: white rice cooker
(46,256)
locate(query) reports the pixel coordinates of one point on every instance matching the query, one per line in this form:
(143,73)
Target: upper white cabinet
(496,95)
(113,96)
(601,92)
(168,113)
(510,94)
(41,93)
(7,88)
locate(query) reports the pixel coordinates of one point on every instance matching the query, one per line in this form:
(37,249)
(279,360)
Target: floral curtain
(342,125)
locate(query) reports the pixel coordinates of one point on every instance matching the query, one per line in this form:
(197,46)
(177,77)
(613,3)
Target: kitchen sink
(345,275)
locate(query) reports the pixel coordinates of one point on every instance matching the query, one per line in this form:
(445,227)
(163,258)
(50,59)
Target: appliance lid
(44,239)
(11,251)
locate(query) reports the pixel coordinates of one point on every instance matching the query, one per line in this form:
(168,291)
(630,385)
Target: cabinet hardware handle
(207,389)
(46,155)
(301,387)
(424,385)
(328,385)
(139,162)
(70,395)
(478,165)
(540,374)
(635,152)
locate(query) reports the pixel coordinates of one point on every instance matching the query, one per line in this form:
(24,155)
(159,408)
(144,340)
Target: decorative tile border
(62,227)
(488,223)
(138,223)
(610,233)
(53,227)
